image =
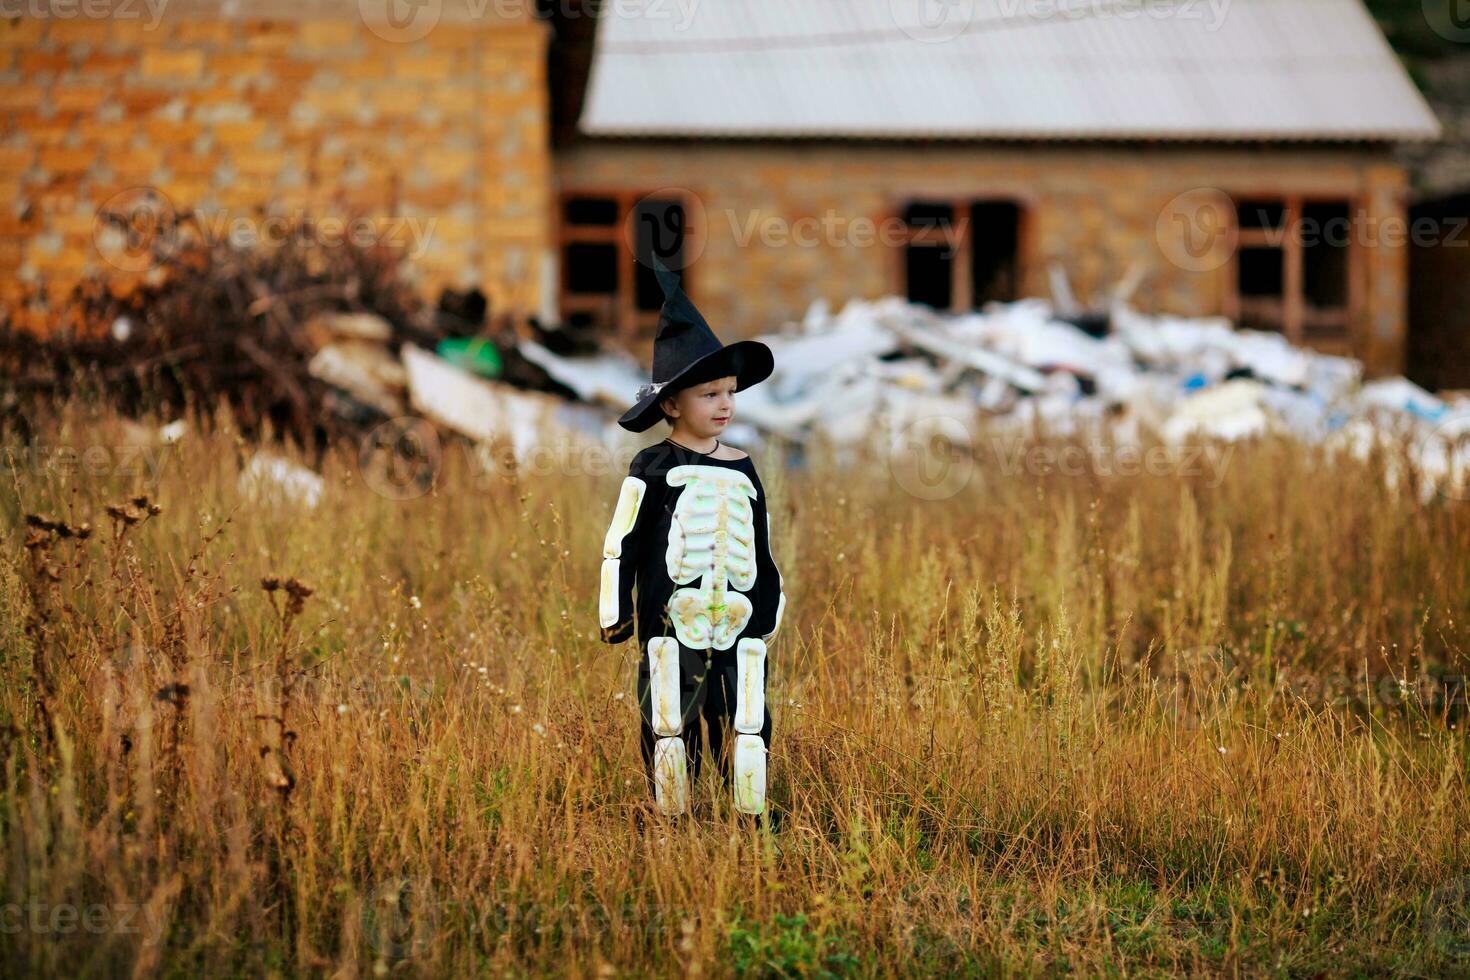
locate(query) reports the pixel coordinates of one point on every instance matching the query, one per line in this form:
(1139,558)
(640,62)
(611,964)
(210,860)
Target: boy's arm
(621,549)
(771,598)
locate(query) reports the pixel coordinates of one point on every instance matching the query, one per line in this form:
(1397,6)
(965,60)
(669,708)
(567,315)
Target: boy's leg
(735,707)
(694,680)
(671,689)
(719,711)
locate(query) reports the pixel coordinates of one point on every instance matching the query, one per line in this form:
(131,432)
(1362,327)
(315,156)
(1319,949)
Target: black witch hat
(686,352)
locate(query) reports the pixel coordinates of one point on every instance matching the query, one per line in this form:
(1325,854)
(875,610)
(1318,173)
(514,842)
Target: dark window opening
(995,236)
(592,267)
(608,242)
(1260,214)
(928,214)
(1261,272)
(1325,234)
(590,211)
(1294,269)
(1261,283)
(930,275)
(961,255)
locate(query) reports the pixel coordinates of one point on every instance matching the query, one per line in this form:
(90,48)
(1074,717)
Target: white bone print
(625,514)
(670,776)
(712,539)
(750,714)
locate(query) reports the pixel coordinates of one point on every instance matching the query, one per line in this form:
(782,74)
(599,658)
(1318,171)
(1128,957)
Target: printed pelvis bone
(711,539)
(750,715)
(670,776)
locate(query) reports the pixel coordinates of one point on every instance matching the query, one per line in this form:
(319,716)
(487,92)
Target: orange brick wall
(1096,210)
(439,141)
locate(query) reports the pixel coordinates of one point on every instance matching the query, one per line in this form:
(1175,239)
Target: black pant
(707,685)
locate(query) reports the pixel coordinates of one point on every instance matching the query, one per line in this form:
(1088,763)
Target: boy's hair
(668,394)
(713,372)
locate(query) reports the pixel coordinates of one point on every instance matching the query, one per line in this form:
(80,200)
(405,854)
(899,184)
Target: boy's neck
(691,441)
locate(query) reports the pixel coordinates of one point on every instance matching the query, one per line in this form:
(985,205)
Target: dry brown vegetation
(1047,724)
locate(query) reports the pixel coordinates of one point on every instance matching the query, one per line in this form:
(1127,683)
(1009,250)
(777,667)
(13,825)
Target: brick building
(429,121)
(781,153)
(1237,159)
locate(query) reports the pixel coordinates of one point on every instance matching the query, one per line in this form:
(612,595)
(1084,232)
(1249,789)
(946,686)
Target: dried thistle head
(270,583)
(120,512)
(298,591)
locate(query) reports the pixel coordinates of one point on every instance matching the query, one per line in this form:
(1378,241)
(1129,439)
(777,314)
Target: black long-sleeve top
(692,533)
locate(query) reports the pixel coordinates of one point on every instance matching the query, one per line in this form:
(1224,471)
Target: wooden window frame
(1293,279)
(631,325)
(963,288)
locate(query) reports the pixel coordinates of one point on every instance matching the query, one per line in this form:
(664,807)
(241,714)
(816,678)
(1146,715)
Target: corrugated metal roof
(1003,69)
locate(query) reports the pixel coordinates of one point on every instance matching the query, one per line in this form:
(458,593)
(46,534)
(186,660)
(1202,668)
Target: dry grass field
(1144,725)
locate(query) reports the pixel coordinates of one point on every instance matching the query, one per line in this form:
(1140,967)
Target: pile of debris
(324,344)
(889,369)
(311,341)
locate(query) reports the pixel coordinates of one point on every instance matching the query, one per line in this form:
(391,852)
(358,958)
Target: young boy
(690,531)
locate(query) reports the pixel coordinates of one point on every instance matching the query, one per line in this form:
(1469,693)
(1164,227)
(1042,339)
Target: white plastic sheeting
(485,410)
(888,371)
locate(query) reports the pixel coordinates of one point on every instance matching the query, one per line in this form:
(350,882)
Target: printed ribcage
(712,540)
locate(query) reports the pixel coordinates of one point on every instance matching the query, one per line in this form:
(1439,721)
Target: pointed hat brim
(750,361)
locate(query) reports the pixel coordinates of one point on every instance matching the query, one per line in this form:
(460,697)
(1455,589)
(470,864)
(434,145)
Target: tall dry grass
(1137,725)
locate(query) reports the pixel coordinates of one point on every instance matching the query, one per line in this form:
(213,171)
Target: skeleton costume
(691,532)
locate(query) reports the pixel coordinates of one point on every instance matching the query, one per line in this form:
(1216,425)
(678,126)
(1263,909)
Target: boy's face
(703,410)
